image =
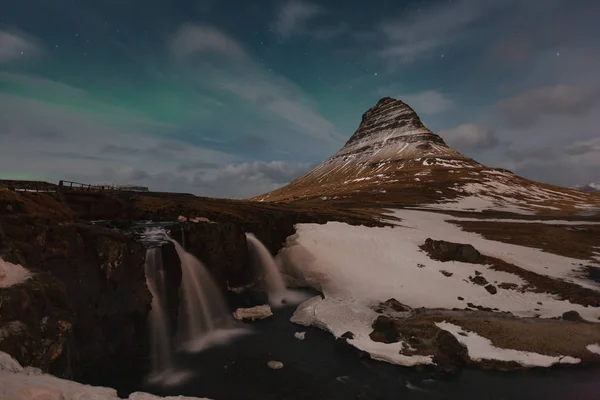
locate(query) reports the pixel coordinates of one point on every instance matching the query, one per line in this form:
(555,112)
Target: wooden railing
(84,187)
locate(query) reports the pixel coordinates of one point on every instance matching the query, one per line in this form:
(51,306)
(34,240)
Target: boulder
(491,289)
(572,316)
(384,330)
(450,356)
(479,280)
(442,250)
(258,312)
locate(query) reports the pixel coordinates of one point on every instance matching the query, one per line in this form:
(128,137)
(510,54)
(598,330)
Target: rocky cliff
(84,311)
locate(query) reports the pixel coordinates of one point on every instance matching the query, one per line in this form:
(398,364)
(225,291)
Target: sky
(233,98)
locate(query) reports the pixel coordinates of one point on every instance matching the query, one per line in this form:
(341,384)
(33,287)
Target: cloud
(236,180)
(41,84)
(196,166)
(294,19)
(575,164)
(194,39)
(470,137)
(294,16)
(583,148)
(527,108)
(275,172)
(251,82)
(165,149)
(15,46)
(83,143)
(533,156)
(427,28)
(428,102)
(509,52)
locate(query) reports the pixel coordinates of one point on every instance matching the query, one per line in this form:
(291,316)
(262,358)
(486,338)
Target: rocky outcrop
(86,306)
(442,250)
(36,323)
(222,249)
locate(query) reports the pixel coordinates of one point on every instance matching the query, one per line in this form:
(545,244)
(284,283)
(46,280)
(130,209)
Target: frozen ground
(339,316)
(357,266)
(480,348)
(18,383)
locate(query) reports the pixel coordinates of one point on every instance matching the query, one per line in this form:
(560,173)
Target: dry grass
(543,336)
(568,240)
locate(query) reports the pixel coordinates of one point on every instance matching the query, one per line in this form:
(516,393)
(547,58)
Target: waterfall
(278,292)
(163,369)
(204,318)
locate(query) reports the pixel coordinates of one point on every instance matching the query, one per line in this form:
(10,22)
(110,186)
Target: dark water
(317,368)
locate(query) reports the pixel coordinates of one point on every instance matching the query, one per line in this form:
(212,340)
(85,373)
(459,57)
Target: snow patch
(18,383)
(12,274)
(480,348)
(594,348)
(339,316)
(361,265)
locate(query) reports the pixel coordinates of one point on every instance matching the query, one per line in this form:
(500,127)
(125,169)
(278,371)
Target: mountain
(590,187)
(393,159)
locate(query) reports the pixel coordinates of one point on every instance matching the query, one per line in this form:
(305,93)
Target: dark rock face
(93,292)
(491,289)
(450,355)
(479,280)
(36,323)
(447,251)
(221,247)
(348,335)
(572,316)
(389,113)
(384,330)
(392,305)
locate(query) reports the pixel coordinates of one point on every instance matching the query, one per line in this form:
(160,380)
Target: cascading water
(278,292)
(163,368)
(204,318)
(162,357)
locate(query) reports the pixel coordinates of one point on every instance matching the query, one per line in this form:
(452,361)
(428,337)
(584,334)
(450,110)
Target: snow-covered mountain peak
(387,114)
(392,158)
(590,187)
(392,130)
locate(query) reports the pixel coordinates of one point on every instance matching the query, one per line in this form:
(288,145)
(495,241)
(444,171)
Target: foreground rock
(254,313)
(84,310)
(514,343)
(18,383)
(447,251)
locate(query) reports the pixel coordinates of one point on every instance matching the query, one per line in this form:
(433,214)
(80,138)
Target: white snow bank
(594,348)
(525,221)
(12,274)
(18,383)
(479,203)
(340,316)
(358,264)
(480,348)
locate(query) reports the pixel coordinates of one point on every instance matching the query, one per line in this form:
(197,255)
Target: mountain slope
(393,159)
(590,187)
